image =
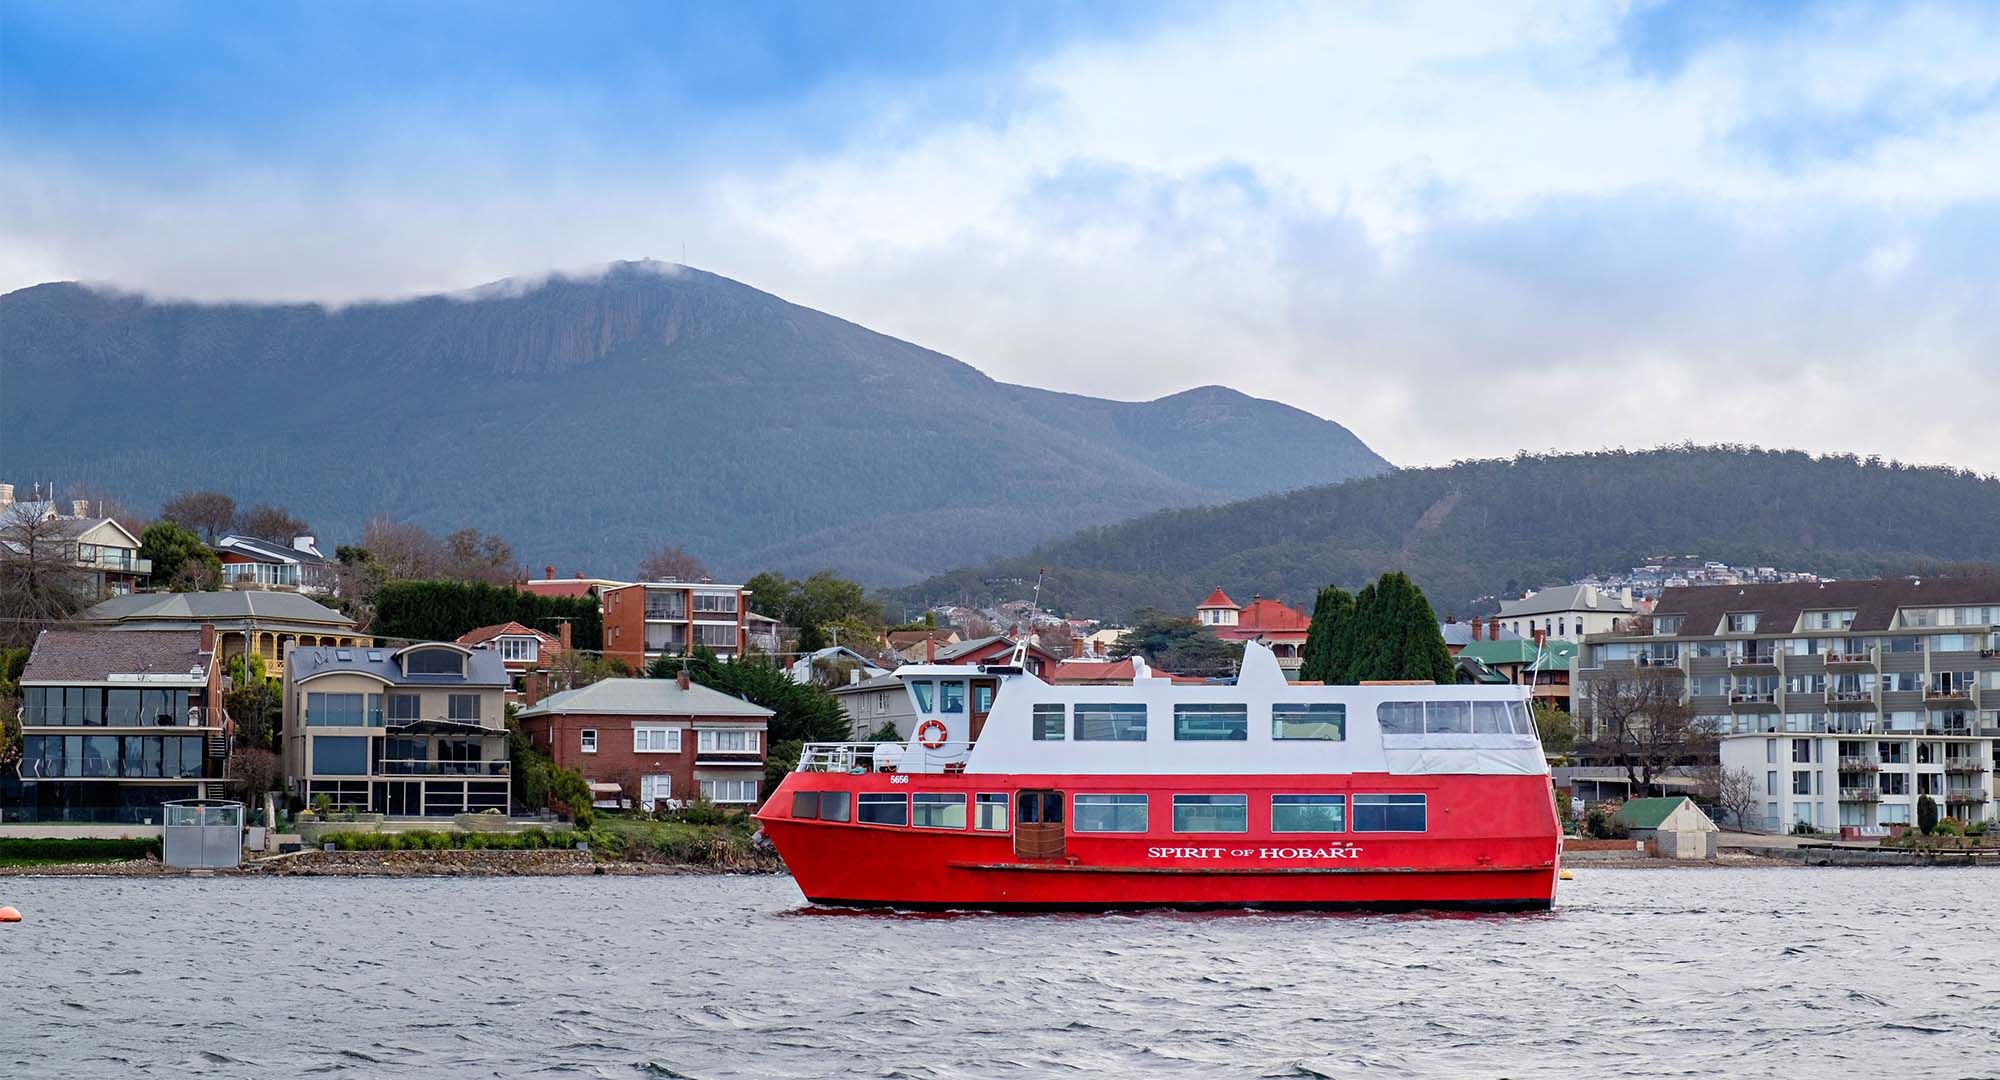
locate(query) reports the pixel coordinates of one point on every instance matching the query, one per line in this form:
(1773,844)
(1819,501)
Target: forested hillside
(591,420)
(1476,529)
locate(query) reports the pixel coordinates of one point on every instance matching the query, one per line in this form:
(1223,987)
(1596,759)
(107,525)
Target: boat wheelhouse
(1254,793)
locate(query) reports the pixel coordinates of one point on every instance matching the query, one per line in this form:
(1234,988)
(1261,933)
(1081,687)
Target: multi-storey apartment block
(651,619)
(1846,700)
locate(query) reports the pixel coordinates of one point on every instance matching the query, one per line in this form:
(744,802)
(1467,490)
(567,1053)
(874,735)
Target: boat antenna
(1020,657)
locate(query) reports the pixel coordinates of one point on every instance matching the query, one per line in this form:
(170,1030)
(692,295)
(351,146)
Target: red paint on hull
(1490,842)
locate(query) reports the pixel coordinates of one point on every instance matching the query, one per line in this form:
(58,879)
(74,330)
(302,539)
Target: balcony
(1961,767)
(1860,794)
(1965,796)
(415,767)
(1947,695)
(1860,764)
(1849,661)
(1751,661)
(115,559)
(1753,700)
(1843,698)
(1657,660)
(194,716)
(666,613)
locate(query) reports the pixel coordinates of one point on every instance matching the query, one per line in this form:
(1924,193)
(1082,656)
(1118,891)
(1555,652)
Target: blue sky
(1461,229)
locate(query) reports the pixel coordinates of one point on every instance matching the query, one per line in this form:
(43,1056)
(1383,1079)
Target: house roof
(1566,598)
(978,645)
(646,697)
(879,682)
(1272,615)
(267,551)
(1521,651)
(484,634)
(903,639)
(1216,599)
(1649,813)
(1458,633)
(566,586)
(96,655)
(216,607)
(1874,602)
(482,666)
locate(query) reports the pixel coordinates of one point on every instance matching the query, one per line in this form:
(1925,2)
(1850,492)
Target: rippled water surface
(1767,972)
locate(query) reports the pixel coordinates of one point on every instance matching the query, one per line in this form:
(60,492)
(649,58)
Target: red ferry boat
(1012,793)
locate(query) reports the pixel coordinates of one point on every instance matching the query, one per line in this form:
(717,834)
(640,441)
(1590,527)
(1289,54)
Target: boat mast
(1020,657)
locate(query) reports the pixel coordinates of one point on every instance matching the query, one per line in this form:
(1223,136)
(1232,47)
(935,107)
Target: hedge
(15,849)
(443,610)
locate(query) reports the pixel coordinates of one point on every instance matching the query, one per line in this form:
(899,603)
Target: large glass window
(989,813)
(1110,813)
(1048,723)
(1491,718)
(340,755)
(1447,718)
(922,688)
(334,710)
(525,649)
(1308,813)
(1324,721)
(463,707)
(434,662)
(1389,813)
(1211,813)
(715,635)
(716,603)
(1211,723)
(1116,722)
(876,808)
(937,810)
(656,740)
(951,696)
(729,791)
(404,707)
(713,741)
(1401,717)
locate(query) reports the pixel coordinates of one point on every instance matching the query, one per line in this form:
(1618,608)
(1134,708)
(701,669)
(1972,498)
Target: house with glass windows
(525,651)
(409,732)
(255,563)
(651,619)
(661,741)
(115,724)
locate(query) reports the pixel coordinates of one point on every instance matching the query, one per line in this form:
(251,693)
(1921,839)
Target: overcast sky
(1460,229)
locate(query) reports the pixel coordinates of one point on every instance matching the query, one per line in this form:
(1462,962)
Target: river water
(1789,973)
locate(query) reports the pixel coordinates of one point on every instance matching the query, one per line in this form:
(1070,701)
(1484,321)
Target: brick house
(651,619)
(670,739)
(524,651)
(1273,622)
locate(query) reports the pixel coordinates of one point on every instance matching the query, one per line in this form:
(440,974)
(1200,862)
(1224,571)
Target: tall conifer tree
(1333,607)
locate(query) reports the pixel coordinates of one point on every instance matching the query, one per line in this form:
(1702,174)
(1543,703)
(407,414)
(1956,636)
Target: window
(1321,720)
(934,810)
(922,689)
(1771,750)
(989,813)
(403,707)
(1895,783)
(524,649)
(655,789)
(462,707)
(588,737)
(1802,783)
(1401,717)
(1048,723)
(1110,813)
(1771,782)
(1492,718)
(1110,723)
(731,791)
(1389,813)
(334,710)
(1802,751)
(951,696)
(1667,625)
(1211,723)
(656,740)
(881,809)
(1308,813)
(718,603)
(1447,718)
(710,741)
(1211,813)
(1041,808)
(342,755)
(819,805)
(433,662)
(982,698)
(1826,620)
(1742,622)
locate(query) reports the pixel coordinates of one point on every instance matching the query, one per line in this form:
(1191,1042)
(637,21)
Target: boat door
(983,691)
(1038,825)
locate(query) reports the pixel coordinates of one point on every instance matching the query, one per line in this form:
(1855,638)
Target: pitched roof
(1566,598)
(213,606)
(96,655)
(878,682)
(1874,602)
(482,668)
(1270,615)
(1521,651)
(1649,813)
(269,551)
(1216,599)
(565,586)
(646,697)
(1460,633)
(484,634)
(903,639)
(976,645)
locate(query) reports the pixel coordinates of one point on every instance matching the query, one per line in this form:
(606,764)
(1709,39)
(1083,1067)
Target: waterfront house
(663,740)
(1273,623)
(266,623)
(114,724)
(409,732)
(248,561)
(99,546)
(525,651)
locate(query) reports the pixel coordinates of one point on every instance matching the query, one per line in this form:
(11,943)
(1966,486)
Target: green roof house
(1677,827)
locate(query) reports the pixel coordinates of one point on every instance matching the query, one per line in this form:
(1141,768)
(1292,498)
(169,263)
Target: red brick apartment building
(645,621)
(671,739)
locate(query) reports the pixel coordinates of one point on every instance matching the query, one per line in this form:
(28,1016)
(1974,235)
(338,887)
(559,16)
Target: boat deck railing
(889,757)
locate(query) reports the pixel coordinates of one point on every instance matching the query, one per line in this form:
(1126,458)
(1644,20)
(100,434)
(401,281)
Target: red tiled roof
(1101,671)
(1218,598)
(1265,616)
(556,588)
(485,634)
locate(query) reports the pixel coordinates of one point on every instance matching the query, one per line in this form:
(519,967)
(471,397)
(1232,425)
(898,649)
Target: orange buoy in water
(8,914)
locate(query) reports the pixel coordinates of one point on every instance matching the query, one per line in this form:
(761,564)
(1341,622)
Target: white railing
(866,757)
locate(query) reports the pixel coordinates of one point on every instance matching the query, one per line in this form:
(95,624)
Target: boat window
(937,810)
(1323,720)
(1389,813)
(922,689)
(1212,723)
(1123,722)
(1491,718)
(833,806)
(1041,808)
(982,698)
(951,696)
(1447,718)
(1211,813)
(989,813)
(1048,723)
(805,805)
(1524,718)
(1308,813)
(877,808)
(1401,717)
(1110,813)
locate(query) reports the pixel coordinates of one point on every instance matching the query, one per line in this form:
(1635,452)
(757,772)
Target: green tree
(1179,645)
(815,605)
(1333,607)
(1557,730)
(1927,814)
(178,555)
(1398,634)
(570,794)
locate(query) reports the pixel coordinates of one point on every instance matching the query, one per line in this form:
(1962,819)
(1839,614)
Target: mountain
(589,420)
(1476,529)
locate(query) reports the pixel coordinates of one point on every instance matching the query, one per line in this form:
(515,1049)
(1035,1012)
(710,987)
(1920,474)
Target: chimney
(930,648)
(305,543)
(549,572)
(562,634)
(1541,637)
(1475,629)
(682,678)
(579,575)
(531,687)
(854,676)
(1625,594)
(208,637)
(79,508)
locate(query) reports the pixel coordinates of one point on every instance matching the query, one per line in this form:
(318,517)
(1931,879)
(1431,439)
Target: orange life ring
(930,739)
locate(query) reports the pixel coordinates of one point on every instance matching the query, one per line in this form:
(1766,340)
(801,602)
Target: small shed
(1675,825)
(202,834)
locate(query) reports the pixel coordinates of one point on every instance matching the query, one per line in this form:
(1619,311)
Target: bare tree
(209,514)
(672,563)
(1736,792)
(255,772)
(41,583)
(402,549)
(471,555)
(1641,724)
(273,523)
(1058,639)
(103,504)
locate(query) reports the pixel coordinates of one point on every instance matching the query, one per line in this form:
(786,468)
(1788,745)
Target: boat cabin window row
(1126,722)
(1454,718)
(1120,813)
